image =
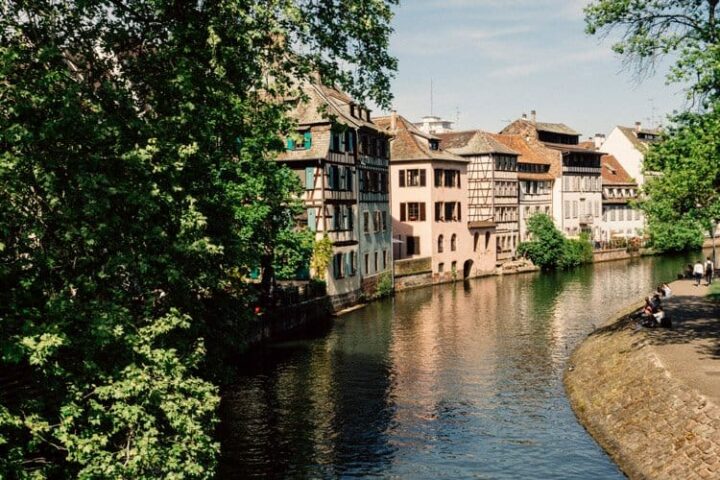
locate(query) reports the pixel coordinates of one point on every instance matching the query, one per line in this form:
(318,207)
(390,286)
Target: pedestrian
(709,270)
(698,271)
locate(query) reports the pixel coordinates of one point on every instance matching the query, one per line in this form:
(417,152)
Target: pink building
(429,206)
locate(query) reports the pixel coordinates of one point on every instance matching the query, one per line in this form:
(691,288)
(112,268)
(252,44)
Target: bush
(549,249)
(385,287)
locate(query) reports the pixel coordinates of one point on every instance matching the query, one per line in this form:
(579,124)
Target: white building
(431,124)
(619,219)
(629,146)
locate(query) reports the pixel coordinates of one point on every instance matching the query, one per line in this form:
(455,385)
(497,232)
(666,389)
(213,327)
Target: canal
(455,381)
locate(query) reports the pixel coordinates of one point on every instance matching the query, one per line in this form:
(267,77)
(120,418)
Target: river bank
(651,398)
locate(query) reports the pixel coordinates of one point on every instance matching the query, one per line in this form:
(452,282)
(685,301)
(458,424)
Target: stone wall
(288,319)
(652,425)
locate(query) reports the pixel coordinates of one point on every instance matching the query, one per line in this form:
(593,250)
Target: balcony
(586,220)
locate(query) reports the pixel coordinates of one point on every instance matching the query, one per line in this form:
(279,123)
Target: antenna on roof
(431,97)
(457,116)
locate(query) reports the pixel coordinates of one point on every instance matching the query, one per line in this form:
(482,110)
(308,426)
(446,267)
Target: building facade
(492,185)
(619,219)
(342,159)
(430,208)
(629,145)
(537,168)
(577,189)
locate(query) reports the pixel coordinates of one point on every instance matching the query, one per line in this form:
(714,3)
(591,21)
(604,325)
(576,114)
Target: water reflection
(449,382)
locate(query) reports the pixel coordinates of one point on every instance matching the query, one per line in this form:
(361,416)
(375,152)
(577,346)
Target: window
(476,239)
(612,214)
(453,242)
(415,178)
(384,221)
(621,214)
(384,259)
(366,222)
(376,262)
(338,269)
(412,212)
(575,209)
(453,267)
(487,240)
(439,212)
(567,209)
(413,245)
(452,178)
(367,263)
(441,244)
(441,267)
(376,221)
(353,263)
(438,177)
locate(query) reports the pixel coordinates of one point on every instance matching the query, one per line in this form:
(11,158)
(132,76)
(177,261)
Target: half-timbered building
(492,187)
(341,158)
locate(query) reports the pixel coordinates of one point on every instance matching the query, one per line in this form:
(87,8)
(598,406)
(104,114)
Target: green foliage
(321,257)
(682,197)
(137,141)
(293,251)
(549,249)
(545,248)
(685,30)
(576,252)
(385,287)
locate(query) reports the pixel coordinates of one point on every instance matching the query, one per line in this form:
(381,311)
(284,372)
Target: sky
(492,60)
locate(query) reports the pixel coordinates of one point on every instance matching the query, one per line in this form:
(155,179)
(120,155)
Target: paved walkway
(651,397)
(691,351)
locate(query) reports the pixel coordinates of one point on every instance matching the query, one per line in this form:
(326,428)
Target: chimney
(524,116)
(533,116)
(638,126)
(599,140)
(393,120)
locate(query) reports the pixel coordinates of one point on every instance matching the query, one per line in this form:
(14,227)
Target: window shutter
(422,211)
(422,177)
(351,218)
(342,178)
(403,211)
(290,144)
(331,177)
(309,178)
(307,139)
(402,178)
(458,179)
(330,218)
(349,179)
(459,212)
(417,242)
(312,220)
(438,211)
(348,266)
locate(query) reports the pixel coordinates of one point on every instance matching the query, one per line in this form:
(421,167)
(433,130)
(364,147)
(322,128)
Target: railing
(586,220)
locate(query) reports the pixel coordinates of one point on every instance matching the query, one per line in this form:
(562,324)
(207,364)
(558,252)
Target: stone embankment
(651,398)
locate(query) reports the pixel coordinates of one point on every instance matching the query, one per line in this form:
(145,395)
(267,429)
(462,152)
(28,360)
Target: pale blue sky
(495,59)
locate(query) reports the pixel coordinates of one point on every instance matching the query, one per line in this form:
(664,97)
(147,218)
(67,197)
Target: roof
(410,143)
(532,152)
(588,144)
(320,146)
(570,148)
(613,173)
(473,142)
(631,133)
(560,128)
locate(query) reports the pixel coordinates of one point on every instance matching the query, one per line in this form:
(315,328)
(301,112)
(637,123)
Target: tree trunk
(268,278)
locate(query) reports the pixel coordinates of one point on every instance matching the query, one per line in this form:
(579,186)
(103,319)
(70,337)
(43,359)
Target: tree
(546,244)
(137,140)
(687,30)
(549,249)
(683,194)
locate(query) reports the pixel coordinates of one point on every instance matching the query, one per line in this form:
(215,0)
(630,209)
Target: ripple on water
(459,381)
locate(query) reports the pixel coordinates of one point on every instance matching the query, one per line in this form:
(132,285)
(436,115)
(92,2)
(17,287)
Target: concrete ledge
(651,424)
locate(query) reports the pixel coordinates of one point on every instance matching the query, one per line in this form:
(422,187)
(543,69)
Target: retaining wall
(651,424)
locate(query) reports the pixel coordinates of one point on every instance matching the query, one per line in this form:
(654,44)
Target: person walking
(698,271)
(709,270)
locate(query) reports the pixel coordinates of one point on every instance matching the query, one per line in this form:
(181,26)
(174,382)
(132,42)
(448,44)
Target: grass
(714,291)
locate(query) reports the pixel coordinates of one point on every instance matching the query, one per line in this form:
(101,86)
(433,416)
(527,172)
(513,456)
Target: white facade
(629,146)
(432,124)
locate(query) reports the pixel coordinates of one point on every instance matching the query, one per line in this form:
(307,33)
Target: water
(456,381)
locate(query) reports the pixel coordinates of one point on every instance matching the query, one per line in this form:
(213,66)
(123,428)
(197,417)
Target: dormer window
(434,145)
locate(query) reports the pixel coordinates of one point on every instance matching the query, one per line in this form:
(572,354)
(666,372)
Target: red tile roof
(613,173)
(409,143)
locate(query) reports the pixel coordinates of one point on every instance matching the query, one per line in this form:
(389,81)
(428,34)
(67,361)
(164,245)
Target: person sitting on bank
(668,291)
(698,272)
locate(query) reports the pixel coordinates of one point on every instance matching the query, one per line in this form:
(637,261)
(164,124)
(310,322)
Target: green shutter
(312,221)
(331,177)
(349,179)
(290,144)
(307,139)
(309,178)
